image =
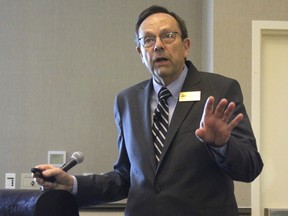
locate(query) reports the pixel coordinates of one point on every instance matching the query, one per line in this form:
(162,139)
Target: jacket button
(157,189)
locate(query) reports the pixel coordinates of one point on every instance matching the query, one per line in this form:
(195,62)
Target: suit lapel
(146,134)
(191,83)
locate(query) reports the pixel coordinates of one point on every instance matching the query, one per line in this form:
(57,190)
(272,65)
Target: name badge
(190,96)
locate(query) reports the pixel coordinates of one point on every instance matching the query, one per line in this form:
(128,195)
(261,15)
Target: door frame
(259,29)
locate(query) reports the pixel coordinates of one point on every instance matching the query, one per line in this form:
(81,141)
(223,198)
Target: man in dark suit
(205,144)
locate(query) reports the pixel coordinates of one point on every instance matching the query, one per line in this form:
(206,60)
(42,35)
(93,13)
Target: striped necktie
(161,122)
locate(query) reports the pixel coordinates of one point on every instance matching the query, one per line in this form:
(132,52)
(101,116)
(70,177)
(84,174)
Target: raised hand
(216,125)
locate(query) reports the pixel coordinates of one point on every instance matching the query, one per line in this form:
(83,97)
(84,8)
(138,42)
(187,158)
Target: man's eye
(168,35)
(148,40)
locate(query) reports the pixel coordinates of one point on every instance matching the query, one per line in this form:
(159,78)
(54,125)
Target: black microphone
(76,158)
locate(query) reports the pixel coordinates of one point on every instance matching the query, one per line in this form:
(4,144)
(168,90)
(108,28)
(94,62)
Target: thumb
(200,134)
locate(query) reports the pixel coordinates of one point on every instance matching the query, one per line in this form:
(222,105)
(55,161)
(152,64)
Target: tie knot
(164,94)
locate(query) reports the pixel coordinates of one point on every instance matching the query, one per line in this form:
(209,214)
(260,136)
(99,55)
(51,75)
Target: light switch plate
(10,180)
(27,181)
(57,158)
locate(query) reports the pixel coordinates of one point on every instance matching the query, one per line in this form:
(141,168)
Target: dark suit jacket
(187,181)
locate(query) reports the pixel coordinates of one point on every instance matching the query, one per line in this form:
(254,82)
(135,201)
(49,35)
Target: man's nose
(158,46)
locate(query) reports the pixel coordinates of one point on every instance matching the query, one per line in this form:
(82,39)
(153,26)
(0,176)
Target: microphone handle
(68,165)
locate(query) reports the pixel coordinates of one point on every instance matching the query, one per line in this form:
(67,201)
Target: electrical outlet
(27,181)
(10,180)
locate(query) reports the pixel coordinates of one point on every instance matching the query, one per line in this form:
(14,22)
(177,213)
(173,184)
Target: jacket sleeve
(242,162)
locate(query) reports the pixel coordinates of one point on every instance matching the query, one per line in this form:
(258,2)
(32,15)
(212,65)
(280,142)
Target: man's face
(164,61)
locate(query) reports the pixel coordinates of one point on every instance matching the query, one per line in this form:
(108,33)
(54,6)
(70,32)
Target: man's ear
(186,43)
(138,49)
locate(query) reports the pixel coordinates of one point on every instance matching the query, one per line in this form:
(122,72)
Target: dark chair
(37,203)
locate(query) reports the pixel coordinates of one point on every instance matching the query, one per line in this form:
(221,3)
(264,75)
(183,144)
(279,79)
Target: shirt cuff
(219,153)
(221,150)
(75,186)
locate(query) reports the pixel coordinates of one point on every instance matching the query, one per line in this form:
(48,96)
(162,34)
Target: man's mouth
(160,59)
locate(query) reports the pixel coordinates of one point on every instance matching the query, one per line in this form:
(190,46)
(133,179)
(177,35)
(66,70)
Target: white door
(269,113)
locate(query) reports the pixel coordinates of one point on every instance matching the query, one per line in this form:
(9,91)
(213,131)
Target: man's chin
(162,72)
(161,75)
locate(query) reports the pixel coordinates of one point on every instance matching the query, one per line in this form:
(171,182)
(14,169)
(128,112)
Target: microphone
(76,158)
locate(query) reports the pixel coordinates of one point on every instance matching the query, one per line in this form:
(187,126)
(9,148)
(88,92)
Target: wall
(101,213)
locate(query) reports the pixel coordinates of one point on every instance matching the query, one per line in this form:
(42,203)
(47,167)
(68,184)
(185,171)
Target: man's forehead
(159,22)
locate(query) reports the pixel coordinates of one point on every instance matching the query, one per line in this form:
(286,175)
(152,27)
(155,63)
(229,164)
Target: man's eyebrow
(161,32)
(148,34)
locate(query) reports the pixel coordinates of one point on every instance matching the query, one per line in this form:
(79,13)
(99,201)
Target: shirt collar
(174,87)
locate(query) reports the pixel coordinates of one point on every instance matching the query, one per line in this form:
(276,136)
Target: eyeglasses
(166,38)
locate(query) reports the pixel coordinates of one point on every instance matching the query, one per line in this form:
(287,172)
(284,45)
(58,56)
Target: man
(168,165)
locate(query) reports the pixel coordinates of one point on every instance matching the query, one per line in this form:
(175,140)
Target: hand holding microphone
(76,158)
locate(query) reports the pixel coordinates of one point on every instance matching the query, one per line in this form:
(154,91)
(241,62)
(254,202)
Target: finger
(48,170)
(51,172)
(220,108)
(235,121)
(228,112)
(199,133)
(39,181)
(47,186)
(44,166)
(209,105)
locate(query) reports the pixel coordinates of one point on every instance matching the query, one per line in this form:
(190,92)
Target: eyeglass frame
(161,36)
